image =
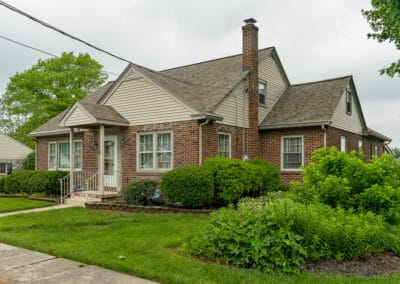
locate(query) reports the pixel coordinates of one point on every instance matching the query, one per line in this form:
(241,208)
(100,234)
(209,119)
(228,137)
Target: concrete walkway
(18,265)
(55,207)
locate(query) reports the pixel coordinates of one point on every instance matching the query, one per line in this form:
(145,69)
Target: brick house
(241,106)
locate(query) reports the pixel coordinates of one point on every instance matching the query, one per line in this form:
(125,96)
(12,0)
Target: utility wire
(49,26)
(44,52)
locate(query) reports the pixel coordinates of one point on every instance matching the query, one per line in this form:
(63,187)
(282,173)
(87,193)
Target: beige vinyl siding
(78,117)
(268,71)
(234,108)
(132,74)
(342,120)
(141,102)
(11,149)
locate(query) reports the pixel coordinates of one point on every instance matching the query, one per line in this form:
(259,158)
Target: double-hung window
(59,155)
(262,91)
(3,169)
(292,152)
(155,151)
(224,145)
(343,144)
(348,100)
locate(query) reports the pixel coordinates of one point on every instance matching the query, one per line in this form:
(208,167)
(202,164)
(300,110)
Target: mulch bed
(385,263)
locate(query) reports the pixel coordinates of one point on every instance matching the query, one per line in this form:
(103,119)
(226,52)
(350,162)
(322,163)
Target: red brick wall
(271,147)
(210,139)
(42,148)
(334,136)
(185,148)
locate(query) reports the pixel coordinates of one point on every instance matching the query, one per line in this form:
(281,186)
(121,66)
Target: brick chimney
(250,62)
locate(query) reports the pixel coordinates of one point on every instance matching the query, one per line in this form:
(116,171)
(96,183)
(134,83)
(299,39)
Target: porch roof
(87,114)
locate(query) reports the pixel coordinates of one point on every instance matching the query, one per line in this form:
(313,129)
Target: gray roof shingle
(307,103)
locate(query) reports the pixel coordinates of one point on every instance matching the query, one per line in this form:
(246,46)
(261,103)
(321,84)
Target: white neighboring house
(12,154)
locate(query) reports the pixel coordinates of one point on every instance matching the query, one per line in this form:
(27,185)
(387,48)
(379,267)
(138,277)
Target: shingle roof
(307,103)
(378,135)
(103,112)
(203,85)
(52,124)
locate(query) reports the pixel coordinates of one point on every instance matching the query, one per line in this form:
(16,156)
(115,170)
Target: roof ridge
(324,80)
(211,60)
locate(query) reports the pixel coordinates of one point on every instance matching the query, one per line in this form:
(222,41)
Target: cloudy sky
(315,40)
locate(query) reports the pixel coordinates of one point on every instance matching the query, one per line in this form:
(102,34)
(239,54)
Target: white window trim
(282,152)
(350,93)
(5,169)
(360,145)
(48,155)
(265,93)
(345,144)
(376,151)
(154,168)
(57,168)
(230,142)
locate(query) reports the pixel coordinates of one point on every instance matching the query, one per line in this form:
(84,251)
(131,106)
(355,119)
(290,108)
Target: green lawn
(9,204)
(147,241)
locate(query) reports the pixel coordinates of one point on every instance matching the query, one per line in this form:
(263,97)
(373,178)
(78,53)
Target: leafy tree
(384,20)
(396,152)
(50,86)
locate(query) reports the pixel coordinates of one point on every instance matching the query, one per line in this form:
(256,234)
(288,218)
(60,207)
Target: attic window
(262,89)
(348,100)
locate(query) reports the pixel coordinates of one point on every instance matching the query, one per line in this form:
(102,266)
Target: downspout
(324,131)
(201,140)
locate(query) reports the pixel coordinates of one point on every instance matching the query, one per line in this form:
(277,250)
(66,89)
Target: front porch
(95,168)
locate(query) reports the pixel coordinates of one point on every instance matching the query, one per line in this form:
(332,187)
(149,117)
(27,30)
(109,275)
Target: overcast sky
(315,40)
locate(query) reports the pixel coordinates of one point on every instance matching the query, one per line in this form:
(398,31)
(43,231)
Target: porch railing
(64,186)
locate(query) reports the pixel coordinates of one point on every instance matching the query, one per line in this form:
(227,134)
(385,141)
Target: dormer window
(348,100)
(262,90)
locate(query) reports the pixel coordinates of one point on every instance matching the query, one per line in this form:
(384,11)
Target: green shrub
(29,163)
(3,184)
(278,235)
(18,182)
(192,186)
(139,192)
(334,191)
(384,170)
(271,176)
(262,240)
(28,182)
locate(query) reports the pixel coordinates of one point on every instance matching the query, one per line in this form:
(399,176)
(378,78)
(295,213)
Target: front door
(110,161)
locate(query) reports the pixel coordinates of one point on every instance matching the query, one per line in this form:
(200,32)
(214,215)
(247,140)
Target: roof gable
(11,149)
(307,103)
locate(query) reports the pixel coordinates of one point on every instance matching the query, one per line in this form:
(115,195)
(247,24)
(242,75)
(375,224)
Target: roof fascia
(275,56)
(297,125)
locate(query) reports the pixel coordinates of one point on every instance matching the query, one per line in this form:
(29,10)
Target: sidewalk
(55,207)
(18,265)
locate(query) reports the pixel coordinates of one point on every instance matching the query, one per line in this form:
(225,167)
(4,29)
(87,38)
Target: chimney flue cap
(250,21)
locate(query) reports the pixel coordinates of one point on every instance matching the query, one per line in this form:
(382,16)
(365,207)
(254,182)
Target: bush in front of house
(139,192)
(191,187)
(29,163)
(280,235)
(271,176)
(30,182)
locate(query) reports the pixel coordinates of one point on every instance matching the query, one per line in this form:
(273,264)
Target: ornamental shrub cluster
(280,235)
(344,180)
(139,192)
(219,181)
(29,182)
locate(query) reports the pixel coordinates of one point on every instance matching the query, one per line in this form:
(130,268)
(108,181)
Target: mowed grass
(147,242)
(10,204)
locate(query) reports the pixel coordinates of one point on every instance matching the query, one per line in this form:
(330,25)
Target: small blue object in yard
(157,197)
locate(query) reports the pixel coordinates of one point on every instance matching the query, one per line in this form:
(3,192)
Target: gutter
(207,115)
(322,123)
(201,140)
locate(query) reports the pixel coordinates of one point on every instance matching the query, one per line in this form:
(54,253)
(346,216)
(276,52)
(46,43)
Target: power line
(49,26)
(44,52)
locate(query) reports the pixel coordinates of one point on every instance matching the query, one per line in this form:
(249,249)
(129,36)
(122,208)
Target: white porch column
(71,160)
(101,160)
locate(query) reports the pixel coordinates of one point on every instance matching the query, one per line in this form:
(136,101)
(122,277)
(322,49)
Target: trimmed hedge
(139,192)
(229,179)
(190,186)
(29,182)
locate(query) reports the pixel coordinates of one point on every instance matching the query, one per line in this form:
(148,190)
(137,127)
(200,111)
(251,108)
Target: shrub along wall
(219,181)
(29,182)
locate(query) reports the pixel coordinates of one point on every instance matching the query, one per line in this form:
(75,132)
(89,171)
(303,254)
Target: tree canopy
(50,86)
(384,20)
